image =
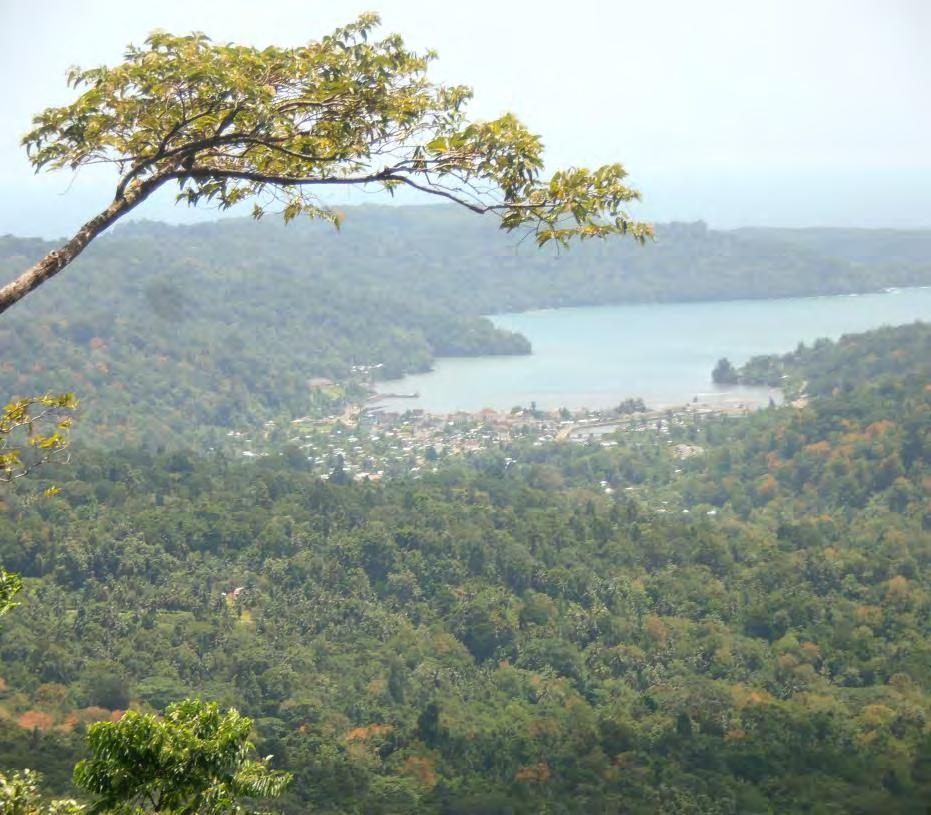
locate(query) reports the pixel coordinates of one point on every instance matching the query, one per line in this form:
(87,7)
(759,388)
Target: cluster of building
(365,442)
(371,444)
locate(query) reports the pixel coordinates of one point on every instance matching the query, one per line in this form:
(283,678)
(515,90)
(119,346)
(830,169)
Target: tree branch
(199,173)
(57,259)
(481,209)
(162,151)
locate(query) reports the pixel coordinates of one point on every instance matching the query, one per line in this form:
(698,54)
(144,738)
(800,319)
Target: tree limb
(56,260)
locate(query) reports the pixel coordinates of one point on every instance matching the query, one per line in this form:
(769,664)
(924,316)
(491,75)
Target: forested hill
(877,359)
(746,629)
(163,329)
(883,247)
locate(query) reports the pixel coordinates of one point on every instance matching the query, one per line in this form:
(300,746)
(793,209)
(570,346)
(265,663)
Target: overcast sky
(741,112)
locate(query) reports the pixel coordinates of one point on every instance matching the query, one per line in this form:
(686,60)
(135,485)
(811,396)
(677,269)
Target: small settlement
(366,443)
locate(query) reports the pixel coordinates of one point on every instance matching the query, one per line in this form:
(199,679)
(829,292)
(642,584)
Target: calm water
(663,353)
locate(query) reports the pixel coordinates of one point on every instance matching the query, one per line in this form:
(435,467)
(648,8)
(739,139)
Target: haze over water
(661,352)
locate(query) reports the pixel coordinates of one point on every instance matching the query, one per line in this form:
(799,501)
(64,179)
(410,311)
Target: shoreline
(598,355)
(729,401)
(580,417)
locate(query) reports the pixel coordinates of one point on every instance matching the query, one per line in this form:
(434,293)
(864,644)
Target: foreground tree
(33,431)
(229,123)
(194,760)
(10,585)
(19,795)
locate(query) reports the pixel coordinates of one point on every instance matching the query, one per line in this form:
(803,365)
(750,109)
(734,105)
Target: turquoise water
(664,353)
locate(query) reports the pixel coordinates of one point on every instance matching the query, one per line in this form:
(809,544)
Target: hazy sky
(738,112)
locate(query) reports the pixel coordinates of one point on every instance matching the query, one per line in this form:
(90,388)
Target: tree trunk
(57,259)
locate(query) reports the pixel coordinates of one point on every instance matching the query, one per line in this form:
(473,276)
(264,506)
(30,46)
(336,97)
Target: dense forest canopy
(743,629)
(177,334)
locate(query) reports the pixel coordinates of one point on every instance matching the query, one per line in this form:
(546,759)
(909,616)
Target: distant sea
(661,352)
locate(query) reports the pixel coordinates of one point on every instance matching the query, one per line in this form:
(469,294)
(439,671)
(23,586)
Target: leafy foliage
(194,760)
(19,795)
(23,444)
(22,424)
(10,586)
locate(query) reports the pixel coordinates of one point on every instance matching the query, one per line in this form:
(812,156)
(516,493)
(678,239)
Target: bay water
(661,352)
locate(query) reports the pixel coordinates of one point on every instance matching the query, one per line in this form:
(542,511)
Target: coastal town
(365,442)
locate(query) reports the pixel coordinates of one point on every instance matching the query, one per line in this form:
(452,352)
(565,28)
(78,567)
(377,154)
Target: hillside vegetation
(743,630)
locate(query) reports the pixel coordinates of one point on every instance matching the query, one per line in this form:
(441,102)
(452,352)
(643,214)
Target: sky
(737,112)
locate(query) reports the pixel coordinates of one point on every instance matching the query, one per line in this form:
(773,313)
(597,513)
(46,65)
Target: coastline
(596,356)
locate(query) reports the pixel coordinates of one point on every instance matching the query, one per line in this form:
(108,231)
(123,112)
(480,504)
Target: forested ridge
(880,358)
(174,335)
(729,618)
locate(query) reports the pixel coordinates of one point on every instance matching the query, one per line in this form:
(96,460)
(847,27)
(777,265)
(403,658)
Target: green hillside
(742,630)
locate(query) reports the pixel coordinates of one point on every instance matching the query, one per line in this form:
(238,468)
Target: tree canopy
(194,760)
(231,122)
